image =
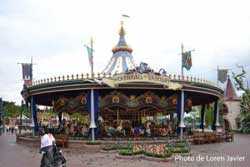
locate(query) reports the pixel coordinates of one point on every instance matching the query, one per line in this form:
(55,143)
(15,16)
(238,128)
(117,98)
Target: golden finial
(122,32)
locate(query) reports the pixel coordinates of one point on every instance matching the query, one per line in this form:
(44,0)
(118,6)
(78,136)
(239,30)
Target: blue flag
(90,54)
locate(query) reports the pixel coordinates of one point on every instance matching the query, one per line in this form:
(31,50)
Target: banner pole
(217,76)
(182,51)
(92,58)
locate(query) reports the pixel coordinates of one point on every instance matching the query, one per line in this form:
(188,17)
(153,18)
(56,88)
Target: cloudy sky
(53,32)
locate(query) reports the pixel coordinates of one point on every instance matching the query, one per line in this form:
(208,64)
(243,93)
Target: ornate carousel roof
(128,77)
(122,59)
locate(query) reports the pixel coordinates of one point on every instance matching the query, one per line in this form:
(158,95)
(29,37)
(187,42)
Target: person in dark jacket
(52,155)
(47,142)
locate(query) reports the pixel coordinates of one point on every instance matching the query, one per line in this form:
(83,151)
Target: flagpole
(217,76)
(92,61)
(182,51)
(92,98)
(31,75)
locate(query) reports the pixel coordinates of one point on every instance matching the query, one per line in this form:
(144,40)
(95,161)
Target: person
(148,129)
(7,128)
(16,128)
(46,148)
(52,156)
(84,130)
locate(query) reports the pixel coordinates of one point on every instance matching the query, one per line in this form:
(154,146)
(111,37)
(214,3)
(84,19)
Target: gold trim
(117,80)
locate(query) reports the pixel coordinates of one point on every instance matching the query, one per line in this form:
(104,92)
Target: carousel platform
(76,143)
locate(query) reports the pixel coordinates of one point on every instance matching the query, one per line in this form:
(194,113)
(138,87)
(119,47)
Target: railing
(72,77)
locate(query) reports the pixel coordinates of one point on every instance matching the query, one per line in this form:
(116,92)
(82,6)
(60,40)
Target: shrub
(181,144)
(180,150)
(127,152)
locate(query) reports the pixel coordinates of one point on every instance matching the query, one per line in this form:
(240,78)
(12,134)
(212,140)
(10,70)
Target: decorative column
(34,115)
(92,115)
(181,125)
(202,116)
(216,122)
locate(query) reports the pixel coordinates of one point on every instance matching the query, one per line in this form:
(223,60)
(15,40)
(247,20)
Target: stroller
(53,158)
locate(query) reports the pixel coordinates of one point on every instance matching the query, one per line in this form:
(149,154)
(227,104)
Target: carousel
(124,100)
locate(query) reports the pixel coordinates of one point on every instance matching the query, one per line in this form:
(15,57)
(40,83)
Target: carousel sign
(118,79)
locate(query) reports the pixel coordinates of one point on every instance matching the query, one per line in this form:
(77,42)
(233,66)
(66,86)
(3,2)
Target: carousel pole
(92,124)
(217,124)
(204,117)
(182,115)
(92,99)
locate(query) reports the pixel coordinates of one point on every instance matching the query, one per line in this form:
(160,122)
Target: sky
(53,33)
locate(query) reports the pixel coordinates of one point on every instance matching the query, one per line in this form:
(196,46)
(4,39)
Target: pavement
(233,154)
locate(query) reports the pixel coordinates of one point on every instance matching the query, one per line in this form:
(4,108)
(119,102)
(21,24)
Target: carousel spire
(122,44)
(122,59)
(122,31)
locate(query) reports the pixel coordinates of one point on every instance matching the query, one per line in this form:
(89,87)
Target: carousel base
(86,144)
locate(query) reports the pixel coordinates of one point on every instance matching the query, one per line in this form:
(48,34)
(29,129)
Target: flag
(124,15)
(90,54)
(27,73)
(222,75)
(187,60)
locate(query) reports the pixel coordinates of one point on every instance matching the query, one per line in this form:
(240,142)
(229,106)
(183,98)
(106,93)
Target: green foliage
(127,152)
(47,114)
(180,150)
(245,112)
(209,116)
(245,102)
(245,123)
(26,112)
(178,147)
(114,147)
(93,143)
(158,155)
(80,118)
(11,110)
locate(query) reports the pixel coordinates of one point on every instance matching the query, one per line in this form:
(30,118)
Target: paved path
(216,155)
(15,155)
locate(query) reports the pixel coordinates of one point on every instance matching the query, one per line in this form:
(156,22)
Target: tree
(245,101)
(11,110)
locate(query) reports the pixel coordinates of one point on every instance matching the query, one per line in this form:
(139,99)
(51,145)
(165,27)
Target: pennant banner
(222,75)
(90,54)
(27,71)
(187,60)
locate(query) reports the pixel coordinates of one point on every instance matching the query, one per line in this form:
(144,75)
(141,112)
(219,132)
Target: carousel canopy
(122,59)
